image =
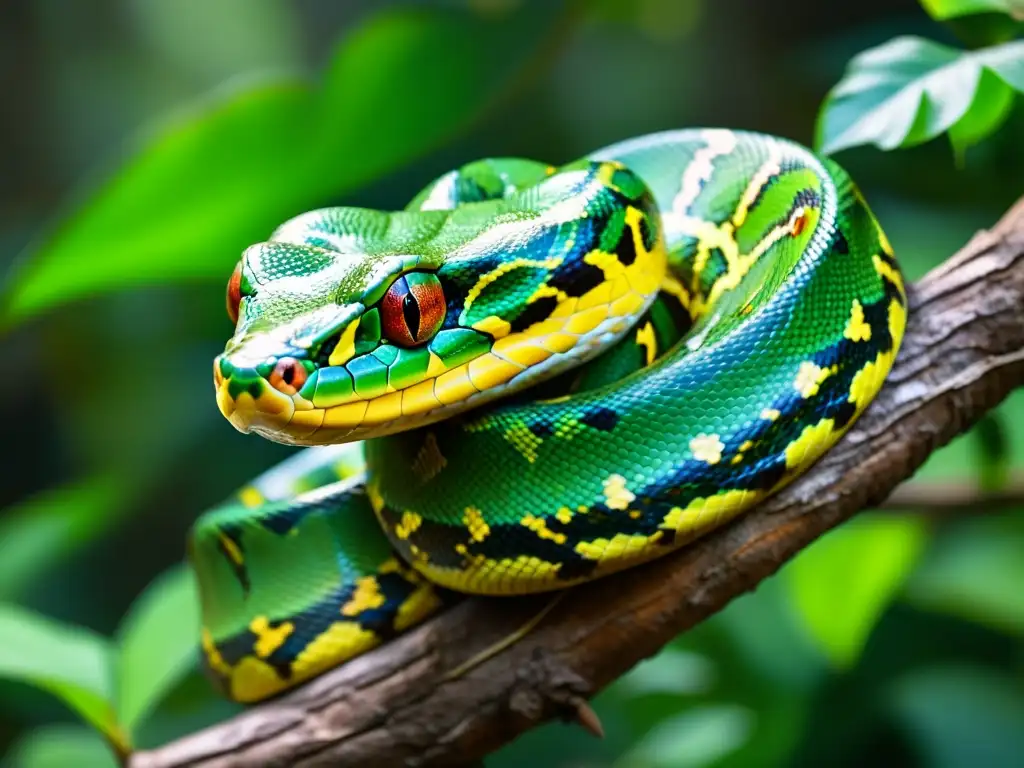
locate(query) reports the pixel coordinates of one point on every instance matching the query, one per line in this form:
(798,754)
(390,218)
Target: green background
(145,143)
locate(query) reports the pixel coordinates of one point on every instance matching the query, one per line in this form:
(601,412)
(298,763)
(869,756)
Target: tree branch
(963,353)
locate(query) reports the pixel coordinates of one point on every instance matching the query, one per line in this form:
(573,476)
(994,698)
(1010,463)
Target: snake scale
(529,378)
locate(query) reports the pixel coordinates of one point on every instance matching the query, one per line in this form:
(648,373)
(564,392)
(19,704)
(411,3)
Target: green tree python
(529,378)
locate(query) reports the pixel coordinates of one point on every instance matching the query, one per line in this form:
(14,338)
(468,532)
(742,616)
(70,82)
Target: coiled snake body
(678,325)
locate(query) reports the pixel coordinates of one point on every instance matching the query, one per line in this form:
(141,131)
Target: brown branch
(963,353)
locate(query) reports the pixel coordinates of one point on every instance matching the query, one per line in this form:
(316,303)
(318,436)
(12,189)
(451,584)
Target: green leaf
(951,9)
(158,644)
(41,530)
(60,746)
(224,174)
(961,717)
(976,573)
(842,583)
(70,662)
(910,90)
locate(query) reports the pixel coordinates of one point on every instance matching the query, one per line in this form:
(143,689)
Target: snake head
(353,323)
(321,335)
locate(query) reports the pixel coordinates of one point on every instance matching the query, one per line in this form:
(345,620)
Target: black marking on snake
(805,198)
(534,312)
(437,538)
(240,645)
(678,316)
(715,266)
(841,244)
(892,290)
(510,540)
(234,534)
(282,517)
(326,349)
(455,297)
(626,247)
(574,276)
(542,428)
(763,468)
(682,260)
(577,278)
(888,259)
(316,619)
(648,234)
(764,460)
(600,418)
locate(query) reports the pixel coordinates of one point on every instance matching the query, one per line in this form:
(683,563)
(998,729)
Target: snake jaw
(246,399)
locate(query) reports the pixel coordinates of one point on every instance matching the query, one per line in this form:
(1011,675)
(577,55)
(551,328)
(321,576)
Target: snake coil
(529,378)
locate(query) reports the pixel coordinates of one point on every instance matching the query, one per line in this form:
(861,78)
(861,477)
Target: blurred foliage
(367,116)
(112,683)
(69,662)
(910,90)
(951,9)
(154,144)
(881,551)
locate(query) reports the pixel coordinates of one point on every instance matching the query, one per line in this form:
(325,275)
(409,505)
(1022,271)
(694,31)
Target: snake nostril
(288,376)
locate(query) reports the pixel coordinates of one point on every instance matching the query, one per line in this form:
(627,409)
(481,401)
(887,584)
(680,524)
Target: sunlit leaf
(951,9)
(962,717)
(842,583)
(69,662)
(224,174)
(975,573)
(61,746)
(158,644)
(910,90)
(697,737)
(41,530)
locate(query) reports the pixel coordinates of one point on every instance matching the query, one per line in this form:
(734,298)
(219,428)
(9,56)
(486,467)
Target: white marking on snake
(696,174)
(772,167)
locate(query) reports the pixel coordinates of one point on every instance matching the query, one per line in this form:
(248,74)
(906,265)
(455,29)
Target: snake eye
(288,376)
(234,297)
(413,309)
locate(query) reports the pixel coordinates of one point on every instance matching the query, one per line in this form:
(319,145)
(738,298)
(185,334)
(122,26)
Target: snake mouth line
(252,403)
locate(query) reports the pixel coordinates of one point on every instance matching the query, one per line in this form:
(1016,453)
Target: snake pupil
(411,313)
(413,309)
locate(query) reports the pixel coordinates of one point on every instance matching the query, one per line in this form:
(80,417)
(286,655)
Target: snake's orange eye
(413,309)
(288,376)
(234,298)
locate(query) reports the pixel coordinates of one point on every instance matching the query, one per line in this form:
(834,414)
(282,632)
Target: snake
(530,377)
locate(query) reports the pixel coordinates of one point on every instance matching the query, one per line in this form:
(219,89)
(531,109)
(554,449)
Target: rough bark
(963,353)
